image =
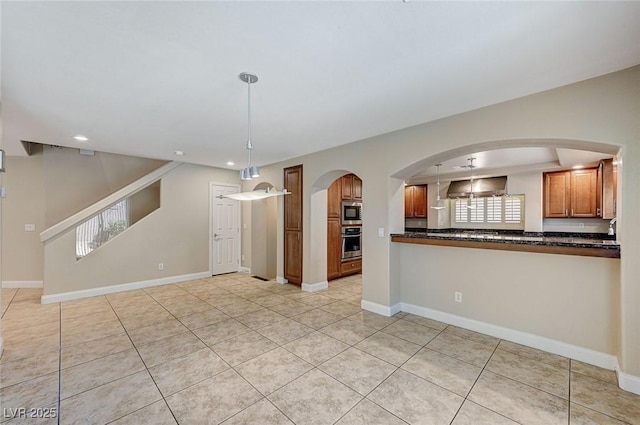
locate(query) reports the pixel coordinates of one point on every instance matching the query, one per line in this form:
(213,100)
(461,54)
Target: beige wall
(177,235)
(600,114)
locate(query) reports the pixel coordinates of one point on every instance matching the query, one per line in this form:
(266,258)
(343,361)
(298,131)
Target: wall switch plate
(3,192)
(161,266)
(29,227)
(381,232)
(458,297)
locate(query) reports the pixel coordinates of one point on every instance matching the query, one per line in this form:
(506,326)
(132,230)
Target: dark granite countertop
(535,240)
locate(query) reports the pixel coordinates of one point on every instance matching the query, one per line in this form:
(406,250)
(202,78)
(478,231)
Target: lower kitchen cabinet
(351,267)
(334,254)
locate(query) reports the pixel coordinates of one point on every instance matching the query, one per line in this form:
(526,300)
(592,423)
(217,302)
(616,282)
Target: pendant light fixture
(471,205)
(438,205)
(250,172)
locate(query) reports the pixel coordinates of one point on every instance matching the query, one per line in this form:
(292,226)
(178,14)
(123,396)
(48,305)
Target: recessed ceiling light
(81,138)
(577,167)
(179,153)
(231,163)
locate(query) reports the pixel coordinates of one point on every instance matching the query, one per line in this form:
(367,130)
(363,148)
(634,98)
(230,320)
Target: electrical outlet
(381,232)
(458,297)
(29,227)
(242,257)
(161,266)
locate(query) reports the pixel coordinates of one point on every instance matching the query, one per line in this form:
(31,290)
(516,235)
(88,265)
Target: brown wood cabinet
(351,267)
(351,187)
(606,197)
(334,199)
(334,249)
(293,225)
(571,194)
(415,201)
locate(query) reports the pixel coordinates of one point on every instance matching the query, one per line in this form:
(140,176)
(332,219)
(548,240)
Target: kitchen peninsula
(554,243)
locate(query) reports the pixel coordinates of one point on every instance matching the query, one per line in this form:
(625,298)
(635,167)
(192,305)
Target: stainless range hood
(492,186)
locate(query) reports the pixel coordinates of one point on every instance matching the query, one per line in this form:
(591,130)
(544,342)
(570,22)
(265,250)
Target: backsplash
(571,225)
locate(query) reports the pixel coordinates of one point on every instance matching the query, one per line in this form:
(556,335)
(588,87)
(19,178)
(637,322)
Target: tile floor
(236,350)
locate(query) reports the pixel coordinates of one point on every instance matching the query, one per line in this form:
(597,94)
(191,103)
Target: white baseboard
(281,280)
(103,290)
(379,308)
(586,355)
(628,382)
(313,287)
(244,270)
(22,284)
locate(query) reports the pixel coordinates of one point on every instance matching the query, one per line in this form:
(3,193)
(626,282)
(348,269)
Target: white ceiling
(149,78)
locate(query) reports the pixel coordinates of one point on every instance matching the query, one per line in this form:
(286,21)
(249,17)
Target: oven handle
(350,236)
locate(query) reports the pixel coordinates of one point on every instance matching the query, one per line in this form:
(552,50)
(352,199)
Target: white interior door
(225,230)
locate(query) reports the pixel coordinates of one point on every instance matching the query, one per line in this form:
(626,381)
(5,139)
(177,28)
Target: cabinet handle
(566,212)
(571,212)
(598,212)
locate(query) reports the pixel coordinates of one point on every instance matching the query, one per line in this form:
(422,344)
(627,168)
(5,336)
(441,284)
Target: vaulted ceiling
(150,78)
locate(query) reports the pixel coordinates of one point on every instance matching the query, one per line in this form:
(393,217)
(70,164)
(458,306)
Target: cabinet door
(351,267)
(293,225)
(557,194)
(347,187)
(607,201)
(357,188)
(408,202)
(334,248)
(583,193)
(334,199)
(420,201)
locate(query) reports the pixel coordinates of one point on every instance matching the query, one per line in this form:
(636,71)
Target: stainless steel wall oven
(351,243)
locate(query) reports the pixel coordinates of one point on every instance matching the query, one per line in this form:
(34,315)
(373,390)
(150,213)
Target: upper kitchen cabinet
(571,194)
(607,189)
(415,201)
(334,199)
(351,187)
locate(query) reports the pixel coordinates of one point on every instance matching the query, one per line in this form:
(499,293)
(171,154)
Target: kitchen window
(493,210)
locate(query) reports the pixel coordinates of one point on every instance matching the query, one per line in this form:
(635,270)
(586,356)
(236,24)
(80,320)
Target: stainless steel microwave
(351,213)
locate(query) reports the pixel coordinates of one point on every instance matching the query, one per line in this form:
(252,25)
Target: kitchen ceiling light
(471,205)
(439,203)
(231,163)
(81,138)
(250,172)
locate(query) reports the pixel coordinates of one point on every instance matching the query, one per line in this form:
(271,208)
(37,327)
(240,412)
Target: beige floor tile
(30,348)
(221,331)
(156,331)
(317,300)
(315,398)
(239,308)
(473,414)
(389,348)
(185,306)
(109,402)
(72,324)
(145,319)
(475,336)
(316,347)
(157,413)
(262,412)
(519,402)
(348,331)
(260,319)
(85,306)
(415,400)
(341,308)
(29,315)
(447,372)
(243,347)
(594,372)
(465,349)
(22,335)
(270,300)
(535,354)
(38,392)
(411,332)
(355,300)
(272,370)
(368,413)
(213,400)
(425,321)
(85,352)
(203,318)
(26,369)
(372,320)
(32,295)
(219,300)
(163,350)
(91,332)
(178,374)
(285,331)
(358,370)
(86,376)
(605,398)
(540,375)
(316,319)
(582,416)
(291,308)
